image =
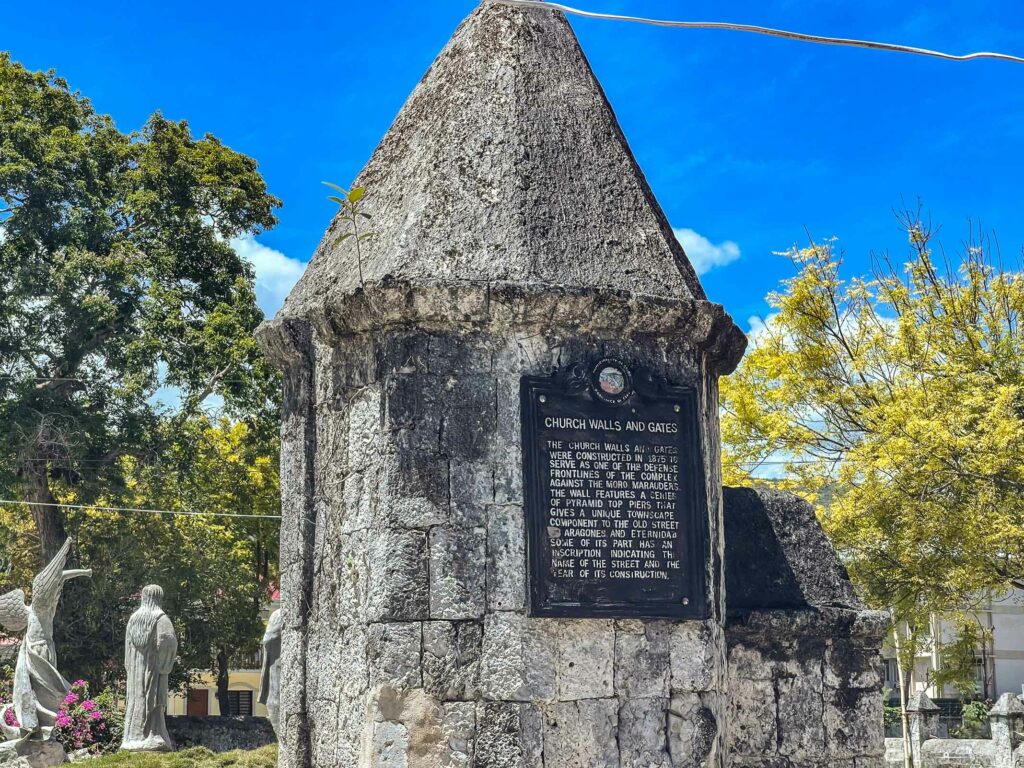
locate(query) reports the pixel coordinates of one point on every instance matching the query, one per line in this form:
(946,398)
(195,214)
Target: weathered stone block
(359,498)
(471,492)
(353,366)
(390,745)
(751,717)
(506,558)
(397,583)
(413,412)
(459,737)
(847,665)
(345,724)
(32,754)
(694,647)
(343,587)
(451,659)
(519,658)
(508,478)
(747,663)
(436,735)
(643,736)
(401,354)
(343,663)
(458,353)
(524,351)
(508,735)
(642,659)
(693,729)
(581,734)
(457,573)
(586,653)
(509,429)
(761,762)
(468,416)
(779,556)
(869,762)
(800,717)
(853,722)
(364,429)
(393,651)
(414,490)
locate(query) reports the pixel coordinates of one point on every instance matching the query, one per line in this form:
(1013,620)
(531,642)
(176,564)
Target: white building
(999,661)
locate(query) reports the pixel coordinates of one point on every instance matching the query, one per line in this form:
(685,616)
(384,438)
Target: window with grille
(892,674)
(240,703)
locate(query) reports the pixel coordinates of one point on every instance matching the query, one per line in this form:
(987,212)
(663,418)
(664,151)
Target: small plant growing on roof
(351,212)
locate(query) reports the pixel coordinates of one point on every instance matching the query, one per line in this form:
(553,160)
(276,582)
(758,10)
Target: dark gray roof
(777,556)
(506,165)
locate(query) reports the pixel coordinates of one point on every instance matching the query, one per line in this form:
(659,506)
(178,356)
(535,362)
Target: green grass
(196,757)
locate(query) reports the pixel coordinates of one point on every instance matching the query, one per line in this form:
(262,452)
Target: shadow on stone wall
(805,677)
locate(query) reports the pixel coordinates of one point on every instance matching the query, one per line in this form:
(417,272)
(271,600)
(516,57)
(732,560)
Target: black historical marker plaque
(615,504)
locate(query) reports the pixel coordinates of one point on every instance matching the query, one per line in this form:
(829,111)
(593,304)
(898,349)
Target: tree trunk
(222,682)
(908,757)
(49,520)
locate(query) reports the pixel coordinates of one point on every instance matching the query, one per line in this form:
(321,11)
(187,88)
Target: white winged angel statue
(39,688)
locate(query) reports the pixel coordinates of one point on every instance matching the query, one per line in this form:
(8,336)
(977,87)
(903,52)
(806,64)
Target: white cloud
(703,254)
(275,272)
(759,327)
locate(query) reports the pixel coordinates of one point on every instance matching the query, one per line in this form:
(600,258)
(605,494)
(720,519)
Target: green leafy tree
(896,403)
(116,276)
(967,644)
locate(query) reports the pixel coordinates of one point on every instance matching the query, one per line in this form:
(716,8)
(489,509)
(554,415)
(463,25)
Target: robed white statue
(150,646)
(270,677)
(39,689)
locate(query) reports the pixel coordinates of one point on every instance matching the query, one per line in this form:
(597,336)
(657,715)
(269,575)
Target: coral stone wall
(407,638)
(220,734)
(805,690)
(805,669)
(405,580)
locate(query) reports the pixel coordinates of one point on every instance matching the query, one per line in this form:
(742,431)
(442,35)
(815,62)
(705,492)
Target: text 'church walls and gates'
(614,494)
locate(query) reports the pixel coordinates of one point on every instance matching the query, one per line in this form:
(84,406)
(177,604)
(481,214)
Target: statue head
(152,596)
(140,625)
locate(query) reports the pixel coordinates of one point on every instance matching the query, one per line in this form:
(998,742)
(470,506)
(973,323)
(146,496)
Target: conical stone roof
(506,165)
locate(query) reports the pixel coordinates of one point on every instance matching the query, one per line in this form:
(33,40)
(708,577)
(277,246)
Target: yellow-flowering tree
(895,402)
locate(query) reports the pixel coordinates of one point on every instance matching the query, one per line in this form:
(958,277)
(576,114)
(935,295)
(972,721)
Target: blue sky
(748,142)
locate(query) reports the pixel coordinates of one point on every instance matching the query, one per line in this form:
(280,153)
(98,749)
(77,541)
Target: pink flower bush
(80,722)
(7,695)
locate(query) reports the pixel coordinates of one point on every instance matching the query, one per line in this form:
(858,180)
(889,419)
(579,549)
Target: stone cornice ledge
(391,304)
(816,622)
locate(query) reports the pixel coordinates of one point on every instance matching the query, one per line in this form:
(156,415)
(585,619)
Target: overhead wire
(771,31)
(137,510)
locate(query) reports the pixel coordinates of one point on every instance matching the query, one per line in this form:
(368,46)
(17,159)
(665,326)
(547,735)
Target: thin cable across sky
(184,513)
(753,28)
